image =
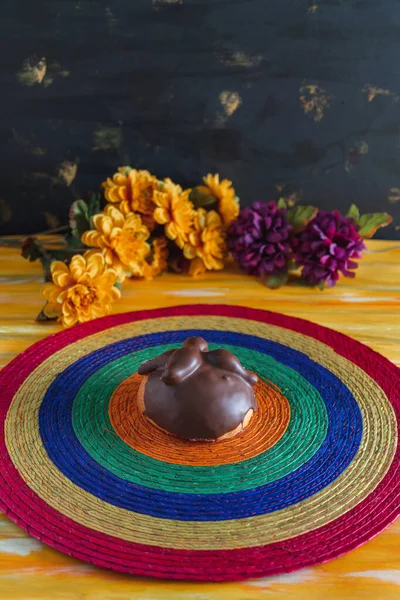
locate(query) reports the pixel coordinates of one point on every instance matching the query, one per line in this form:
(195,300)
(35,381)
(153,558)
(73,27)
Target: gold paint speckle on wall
(67,171)
(52,220)
(372,92)
(28,145)
(158,3)
(314,100)
(394,195)
(230,103)
(37,71)
(107,138)
(237,58)
(58,69)
(33,71)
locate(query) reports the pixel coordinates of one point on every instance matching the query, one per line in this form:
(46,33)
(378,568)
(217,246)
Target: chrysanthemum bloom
(327,247)
(123,240)
(157,261)
(83,291)
(174,211)
(132,191)
(259,239)
(228,202)
(206,246)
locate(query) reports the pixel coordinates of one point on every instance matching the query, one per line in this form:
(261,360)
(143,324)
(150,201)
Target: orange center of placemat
(266,427)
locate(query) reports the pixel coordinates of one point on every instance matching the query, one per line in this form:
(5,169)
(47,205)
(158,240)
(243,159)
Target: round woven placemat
(315,474)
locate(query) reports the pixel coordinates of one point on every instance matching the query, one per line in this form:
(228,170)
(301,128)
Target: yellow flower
(83,291)
(159,262)
(174,210)
(228,202)
(132,191)
(197,267)
(123,240)
(206,242)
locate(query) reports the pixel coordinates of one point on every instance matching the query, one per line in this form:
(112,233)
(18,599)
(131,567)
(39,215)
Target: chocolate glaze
(196,394)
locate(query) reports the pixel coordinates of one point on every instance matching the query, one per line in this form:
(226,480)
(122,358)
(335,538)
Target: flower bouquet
(147,226)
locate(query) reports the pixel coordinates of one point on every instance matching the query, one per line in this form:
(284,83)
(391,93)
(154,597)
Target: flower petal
(92,238)
(77,266)
(213,219)
(48,290)
(161,216)
(63,279)
(107,280)
(69,320)
(97,221)
(115,293)
(171,231)
(58,265)
(52,310)
(95,264)
(197,267)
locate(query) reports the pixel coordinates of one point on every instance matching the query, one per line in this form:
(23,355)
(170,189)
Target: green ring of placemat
(306,431)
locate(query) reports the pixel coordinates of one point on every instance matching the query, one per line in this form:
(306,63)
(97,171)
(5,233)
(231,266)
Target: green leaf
(46,268)
(281,203)
(79,220)
(64,255)
(292,265)
(73,242)
(300,216)
(93,205)
(369,223)
(303,283)
(353,213)
(32,249)
(202,200)
(80,217)
(275,281)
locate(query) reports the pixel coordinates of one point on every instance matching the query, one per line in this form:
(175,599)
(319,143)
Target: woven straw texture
(315,474)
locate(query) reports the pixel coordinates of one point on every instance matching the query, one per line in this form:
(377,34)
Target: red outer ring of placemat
(317,546)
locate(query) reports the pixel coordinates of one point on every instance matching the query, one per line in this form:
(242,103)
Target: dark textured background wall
(293,93)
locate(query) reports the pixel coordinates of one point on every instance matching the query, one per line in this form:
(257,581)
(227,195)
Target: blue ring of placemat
(216,478)
(56,430)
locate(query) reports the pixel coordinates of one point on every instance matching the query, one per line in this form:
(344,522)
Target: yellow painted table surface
(366,308)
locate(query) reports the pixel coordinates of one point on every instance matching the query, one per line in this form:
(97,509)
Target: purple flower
(259,239)
(326,248)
